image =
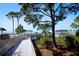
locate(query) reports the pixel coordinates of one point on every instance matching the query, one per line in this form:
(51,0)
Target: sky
(39,1)
(6,23)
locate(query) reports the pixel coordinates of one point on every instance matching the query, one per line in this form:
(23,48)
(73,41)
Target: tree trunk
(52,13)
(18,21)
(53,34)
(13,25)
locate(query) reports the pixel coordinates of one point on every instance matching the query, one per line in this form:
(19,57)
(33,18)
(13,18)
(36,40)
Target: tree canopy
(34,12)
(75,24)
(11,16)
(19,29)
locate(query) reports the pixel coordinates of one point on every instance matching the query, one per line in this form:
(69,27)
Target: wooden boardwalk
(25,49)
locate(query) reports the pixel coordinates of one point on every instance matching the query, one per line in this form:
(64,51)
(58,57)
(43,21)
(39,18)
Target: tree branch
(58,7)
(45,13)
(44,21)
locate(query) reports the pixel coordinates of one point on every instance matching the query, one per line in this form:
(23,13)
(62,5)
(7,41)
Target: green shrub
(71,42)
(19,29)
(41,41)
(77,33)
(60,40)
(76,43)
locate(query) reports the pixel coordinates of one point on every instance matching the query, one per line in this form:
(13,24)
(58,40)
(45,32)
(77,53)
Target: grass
(7,41)
(6,45)
(60,40)
(40,42)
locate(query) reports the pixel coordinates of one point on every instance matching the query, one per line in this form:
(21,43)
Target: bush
(48,44)
(19,29)
(76,43)
(77,33)
(70,41)
(42,41)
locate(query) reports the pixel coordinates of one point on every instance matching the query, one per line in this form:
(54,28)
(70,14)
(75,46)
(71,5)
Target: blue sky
(6,23)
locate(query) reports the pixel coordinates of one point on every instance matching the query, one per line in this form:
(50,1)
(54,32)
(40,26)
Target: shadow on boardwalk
(38,53)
